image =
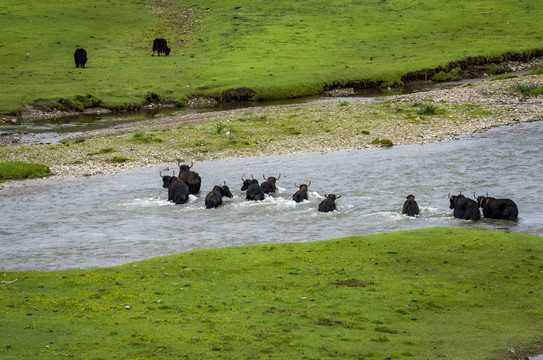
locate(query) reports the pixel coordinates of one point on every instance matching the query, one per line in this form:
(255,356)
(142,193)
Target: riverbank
(320,126)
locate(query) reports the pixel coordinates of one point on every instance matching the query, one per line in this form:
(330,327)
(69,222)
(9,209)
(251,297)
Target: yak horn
(264,176)
(449,195)
(309,183)
(475,196)
(337,197)
(279,177)
(296,185)
(191,164)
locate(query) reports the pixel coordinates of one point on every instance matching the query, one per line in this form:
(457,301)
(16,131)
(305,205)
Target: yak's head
(167,179)
(410,197)
(272,179)
(452,200)
(332,197)
(482,200)
(167,51)
(303,186)
(183,167)
(225,191)
(247,182)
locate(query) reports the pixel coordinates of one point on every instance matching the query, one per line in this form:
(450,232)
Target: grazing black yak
(160,46)
(80,57)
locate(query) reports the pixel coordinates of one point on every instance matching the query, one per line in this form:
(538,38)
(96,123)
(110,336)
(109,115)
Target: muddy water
(114,219)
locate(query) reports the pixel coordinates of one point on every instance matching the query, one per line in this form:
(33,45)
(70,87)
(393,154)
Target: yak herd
(160,46)
(188,182)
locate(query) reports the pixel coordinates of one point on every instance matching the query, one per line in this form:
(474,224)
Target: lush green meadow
(422,294)
(278,48)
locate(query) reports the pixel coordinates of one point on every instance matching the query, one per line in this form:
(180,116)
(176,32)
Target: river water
(109,220)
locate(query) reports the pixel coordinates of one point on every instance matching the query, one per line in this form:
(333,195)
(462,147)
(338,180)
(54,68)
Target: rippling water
(114,219)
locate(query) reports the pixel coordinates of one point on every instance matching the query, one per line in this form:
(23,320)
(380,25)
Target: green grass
(423,294)
(280,49)
(10,170)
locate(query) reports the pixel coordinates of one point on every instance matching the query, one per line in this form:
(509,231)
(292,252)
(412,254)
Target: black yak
(328,204)
(253,191)
(160,46)
(505,209)
(268,186)
(410,206)
(214,197)
(80,57)
(301,194)
(464,208)
(191,178)
(178,191)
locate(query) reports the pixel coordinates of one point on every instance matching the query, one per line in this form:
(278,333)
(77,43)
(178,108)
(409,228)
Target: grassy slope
(280,48)
(423,294)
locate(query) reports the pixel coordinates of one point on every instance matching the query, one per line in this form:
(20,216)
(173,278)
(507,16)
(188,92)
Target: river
(114,219)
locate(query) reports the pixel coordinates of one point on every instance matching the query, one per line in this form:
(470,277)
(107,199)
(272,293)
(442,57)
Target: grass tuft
(11,170)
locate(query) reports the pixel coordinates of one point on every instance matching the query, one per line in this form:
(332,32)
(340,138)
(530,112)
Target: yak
(328,204)
(214,197)
(191,178)
(505,209)
(178,191)
(464,208)
(268,186)
(301,194)
(160,46)
(253,191)
(410,206)
(80,57)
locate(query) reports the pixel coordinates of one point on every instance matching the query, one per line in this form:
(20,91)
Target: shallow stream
(114,219)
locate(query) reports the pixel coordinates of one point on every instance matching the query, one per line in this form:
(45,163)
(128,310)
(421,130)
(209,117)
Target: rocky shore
(347,124)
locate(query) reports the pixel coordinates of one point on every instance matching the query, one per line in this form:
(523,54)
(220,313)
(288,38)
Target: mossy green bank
(279,49)
(422,294)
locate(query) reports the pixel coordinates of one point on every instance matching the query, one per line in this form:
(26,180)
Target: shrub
(504,77)
(22,170)
(529,90)
(534,72)
(382,142)
(118,159)
(427,109)
(441,77)
(142,138)
(102,151)
(496,69)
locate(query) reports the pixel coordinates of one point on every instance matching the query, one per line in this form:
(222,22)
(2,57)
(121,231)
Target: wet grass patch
(11,170)
(529,90)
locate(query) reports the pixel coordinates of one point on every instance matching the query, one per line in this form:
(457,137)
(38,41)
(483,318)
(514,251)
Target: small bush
(441,77)
(119,159)
(102,151)
(142,138)
(382,142)
(529,90)
(22,170)
(496,69)
(534,72)
(504,77)
(427,109)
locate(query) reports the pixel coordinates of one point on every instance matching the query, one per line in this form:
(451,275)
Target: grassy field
(423,294)
(280,49)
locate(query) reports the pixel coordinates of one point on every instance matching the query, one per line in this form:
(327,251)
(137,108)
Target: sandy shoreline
(496,103)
